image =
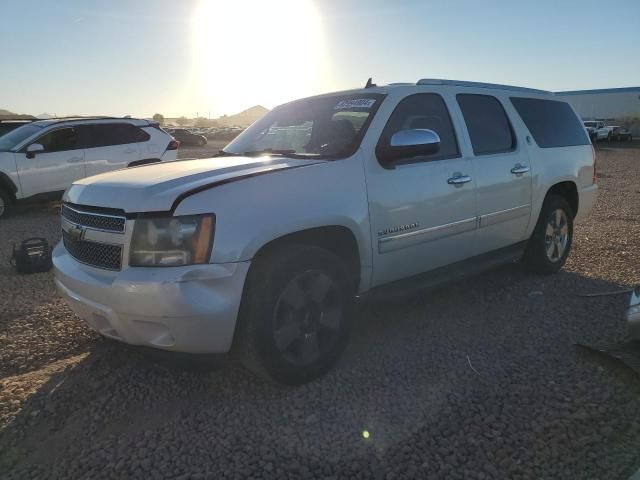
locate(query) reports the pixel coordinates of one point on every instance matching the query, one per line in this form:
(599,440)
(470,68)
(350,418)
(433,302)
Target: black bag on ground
(32,256)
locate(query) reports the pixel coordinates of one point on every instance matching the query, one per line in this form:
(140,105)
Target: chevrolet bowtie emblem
(76,232)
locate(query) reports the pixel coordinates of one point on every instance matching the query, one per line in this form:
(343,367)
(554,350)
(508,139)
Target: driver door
(56,167)
(422,209)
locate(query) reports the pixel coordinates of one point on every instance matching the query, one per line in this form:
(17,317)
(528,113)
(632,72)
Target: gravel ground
(479,380)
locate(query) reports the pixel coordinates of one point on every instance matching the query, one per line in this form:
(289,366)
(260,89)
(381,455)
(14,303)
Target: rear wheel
(295,316)
(550,243)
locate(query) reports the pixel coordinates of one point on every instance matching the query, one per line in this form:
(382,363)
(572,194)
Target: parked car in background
(187,138)
(599,130)
(8,125)
(387,188)
(592,128)
(621,134)
(44,157)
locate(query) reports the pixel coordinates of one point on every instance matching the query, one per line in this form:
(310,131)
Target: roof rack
(463,83)
(18,120)
(87,117)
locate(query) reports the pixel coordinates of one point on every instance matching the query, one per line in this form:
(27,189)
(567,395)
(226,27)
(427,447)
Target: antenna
(370,84)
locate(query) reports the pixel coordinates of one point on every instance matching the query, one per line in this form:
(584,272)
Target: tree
(182,121)
(158,117)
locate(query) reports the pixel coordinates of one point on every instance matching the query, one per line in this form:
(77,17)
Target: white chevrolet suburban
(263,249)
(41,159)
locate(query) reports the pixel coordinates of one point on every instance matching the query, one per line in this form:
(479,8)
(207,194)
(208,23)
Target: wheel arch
(8,186)
(569,191)
(337,239)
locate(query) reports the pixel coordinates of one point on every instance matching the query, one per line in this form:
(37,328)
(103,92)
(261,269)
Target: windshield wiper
(222,153)
(267,151)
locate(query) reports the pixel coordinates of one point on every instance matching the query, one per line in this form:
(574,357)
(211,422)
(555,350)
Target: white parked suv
(43,158)
(263,249)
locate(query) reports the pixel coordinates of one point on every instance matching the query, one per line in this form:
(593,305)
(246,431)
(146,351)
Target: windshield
(15,137)
(320,127)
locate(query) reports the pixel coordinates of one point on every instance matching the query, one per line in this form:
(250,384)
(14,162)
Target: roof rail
(83,117)
(18,120)
(463,83)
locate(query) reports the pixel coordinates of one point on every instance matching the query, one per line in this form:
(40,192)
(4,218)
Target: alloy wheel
(556,235)
(308,317)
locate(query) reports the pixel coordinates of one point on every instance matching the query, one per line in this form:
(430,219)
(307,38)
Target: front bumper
(189,309)
(633,314)
(587,199)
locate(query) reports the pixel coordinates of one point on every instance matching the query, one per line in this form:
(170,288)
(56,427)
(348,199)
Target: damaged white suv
(263,249)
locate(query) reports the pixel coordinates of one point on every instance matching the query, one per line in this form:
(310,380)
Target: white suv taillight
(173,145)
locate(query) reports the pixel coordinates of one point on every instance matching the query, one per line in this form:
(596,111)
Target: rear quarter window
(552,123)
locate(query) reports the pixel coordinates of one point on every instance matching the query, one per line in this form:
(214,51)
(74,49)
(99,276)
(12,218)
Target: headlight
(172,241)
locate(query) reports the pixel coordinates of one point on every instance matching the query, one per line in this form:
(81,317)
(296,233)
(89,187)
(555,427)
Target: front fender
(255,211)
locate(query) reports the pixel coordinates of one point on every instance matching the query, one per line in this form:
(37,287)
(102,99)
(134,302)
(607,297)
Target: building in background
(614,105)
(604,104)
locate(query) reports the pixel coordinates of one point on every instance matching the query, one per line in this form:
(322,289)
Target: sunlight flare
(249,52)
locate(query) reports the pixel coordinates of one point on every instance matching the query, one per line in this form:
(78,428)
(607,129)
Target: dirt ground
(476,380)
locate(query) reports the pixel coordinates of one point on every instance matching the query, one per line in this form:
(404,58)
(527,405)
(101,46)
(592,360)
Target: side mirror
(410,143)
(33,149)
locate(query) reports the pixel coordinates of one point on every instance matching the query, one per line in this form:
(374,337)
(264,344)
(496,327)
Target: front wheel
(550,243)
(295,314)
(5,202)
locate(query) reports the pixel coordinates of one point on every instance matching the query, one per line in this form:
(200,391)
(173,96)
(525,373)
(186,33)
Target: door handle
(519,169)
(458,179)
(129,150)
(75,159)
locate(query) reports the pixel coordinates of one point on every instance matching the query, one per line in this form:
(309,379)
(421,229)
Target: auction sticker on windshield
(366,103)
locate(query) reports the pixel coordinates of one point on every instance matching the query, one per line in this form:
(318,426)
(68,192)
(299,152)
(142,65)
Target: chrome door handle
(459,179)
(519,169)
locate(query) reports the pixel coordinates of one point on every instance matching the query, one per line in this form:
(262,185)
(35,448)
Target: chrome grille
(97,221)
(101,255)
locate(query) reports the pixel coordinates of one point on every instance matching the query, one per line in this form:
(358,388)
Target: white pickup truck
(598,130)
(263,249)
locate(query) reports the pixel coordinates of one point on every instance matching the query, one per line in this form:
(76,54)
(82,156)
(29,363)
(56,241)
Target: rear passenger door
(502,172)
(110,146)
(420,217)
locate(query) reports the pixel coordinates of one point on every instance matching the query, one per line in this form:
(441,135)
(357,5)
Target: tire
(5,203)
(550,243)
(202,142)
(281,333)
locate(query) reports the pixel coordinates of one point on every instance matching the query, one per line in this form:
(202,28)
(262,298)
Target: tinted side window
(423,110)
(487,124)
(104,135)
(139,135)
(59,140)
(552,123)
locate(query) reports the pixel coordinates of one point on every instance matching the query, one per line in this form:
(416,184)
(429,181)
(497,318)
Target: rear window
(487,124)
(552,123)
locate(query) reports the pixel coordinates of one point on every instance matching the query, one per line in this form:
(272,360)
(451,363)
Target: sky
(215,57)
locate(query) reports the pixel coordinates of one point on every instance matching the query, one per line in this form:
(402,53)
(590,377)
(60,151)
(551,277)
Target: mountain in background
(244,118)
(4,114)
(45,116)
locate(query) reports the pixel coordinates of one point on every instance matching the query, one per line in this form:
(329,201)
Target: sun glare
(249,52)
